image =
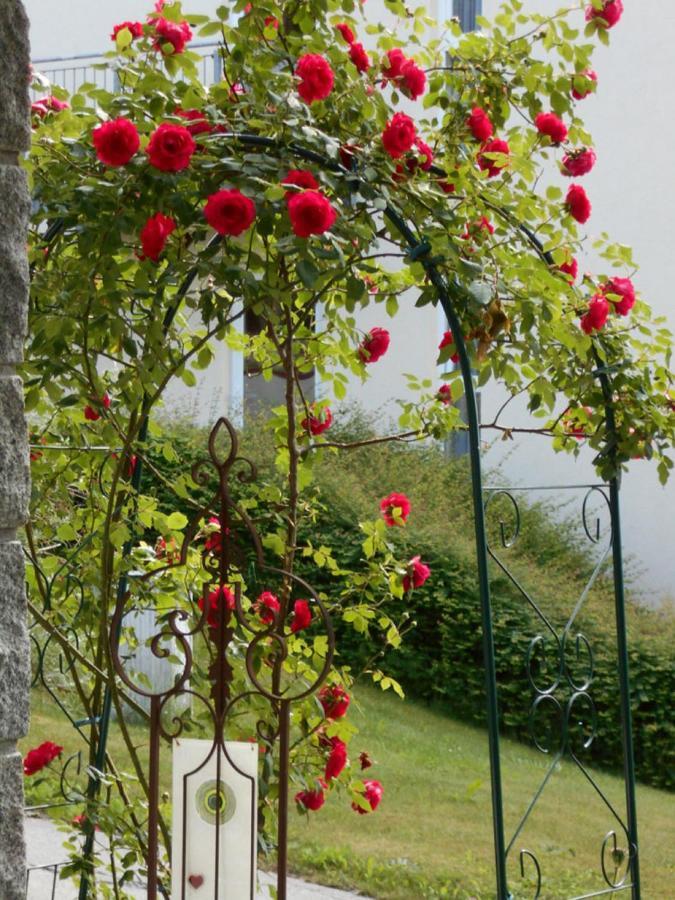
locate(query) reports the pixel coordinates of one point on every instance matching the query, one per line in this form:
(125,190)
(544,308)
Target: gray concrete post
(14,463)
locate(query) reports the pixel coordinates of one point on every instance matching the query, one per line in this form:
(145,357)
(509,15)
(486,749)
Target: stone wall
(14,465)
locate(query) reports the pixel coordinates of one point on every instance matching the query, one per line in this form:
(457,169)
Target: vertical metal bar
(624,682)
(217,66)
(153,798)
(284,751)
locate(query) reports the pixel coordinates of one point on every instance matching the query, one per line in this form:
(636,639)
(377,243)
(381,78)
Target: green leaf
(307,272)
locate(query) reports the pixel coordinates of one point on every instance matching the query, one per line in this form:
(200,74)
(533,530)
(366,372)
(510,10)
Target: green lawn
(431,837)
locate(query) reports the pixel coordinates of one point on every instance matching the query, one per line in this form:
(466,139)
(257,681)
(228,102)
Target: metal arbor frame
(418,249)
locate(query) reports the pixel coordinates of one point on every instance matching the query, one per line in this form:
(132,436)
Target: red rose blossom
(578,162)
(302,179)
(372,791)
(302,616)
(418,572)
(115,141)
(229,212)
(399,135)
(135,29)
(492,166)
(46,105)
(39,757)
(479,124)
(395,509)
(170,148)
(91,414)
(570,268)
(374,345)
(335,701)
(266,606)
(590,75)
(577,203)
(337,759)
(426,155)
(319,420)
(608,16)
(444,394)
(596,316)
(312,800)
(397,60)
(316,77)
(154,235)
(413,79)
(310,213)
(222,597)
(571,424)
(346,32)
(172,37)
(550,125)
(365,760)
(475,230)
(625,289)
(214,540)
(359,57)
(446,340)
(197,123)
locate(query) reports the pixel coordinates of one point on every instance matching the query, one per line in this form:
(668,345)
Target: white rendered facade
(632,191)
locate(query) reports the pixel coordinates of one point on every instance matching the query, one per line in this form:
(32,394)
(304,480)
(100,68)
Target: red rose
(413,79)
(319,421)
(586,88)
(596,317)
(418,572)
(624,288)
(578,162)
(365,760)
(91,414)
(347,154)
(312,800)
(302,179)
(39,757)
(608,16)
(346,32)
(444,394)
(229,212)
(45,105)
(316,77)
(374,345)
(446,341)
(221,598)
(359,57)
(399,135)
(475,231)
(266,606)
(571,424)
(577,203)
(395,509)
(337,759)
(372,791)
(570,268)
(479,124)
(302,616)
(310,213)
(116,141)
(493,166)
(425,153)
(154,235)
(271,20)
(335,701)
(197,123)
(135,29)
(550,125)
(171,36)
(214,540)
(170,148)
(397,59)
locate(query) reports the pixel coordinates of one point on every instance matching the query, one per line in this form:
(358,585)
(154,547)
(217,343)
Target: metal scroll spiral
(262,645)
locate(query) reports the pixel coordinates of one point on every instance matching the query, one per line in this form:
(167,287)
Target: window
(466,11)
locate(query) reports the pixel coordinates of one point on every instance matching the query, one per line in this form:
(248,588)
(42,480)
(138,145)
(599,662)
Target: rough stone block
(14,644)
(12,842)
(14,462)
(14,76)
(13,263)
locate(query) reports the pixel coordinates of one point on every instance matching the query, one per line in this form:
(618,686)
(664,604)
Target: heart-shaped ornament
(196,880)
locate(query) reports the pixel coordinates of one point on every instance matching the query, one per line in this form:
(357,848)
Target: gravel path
(44,848)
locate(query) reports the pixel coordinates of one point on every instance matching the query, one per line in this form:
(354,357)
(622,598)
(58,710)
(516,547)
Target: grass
(431,837)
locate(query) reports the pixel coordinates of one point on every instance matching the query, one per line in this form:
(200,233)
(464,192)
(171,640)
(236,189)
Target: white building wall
(633,193)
